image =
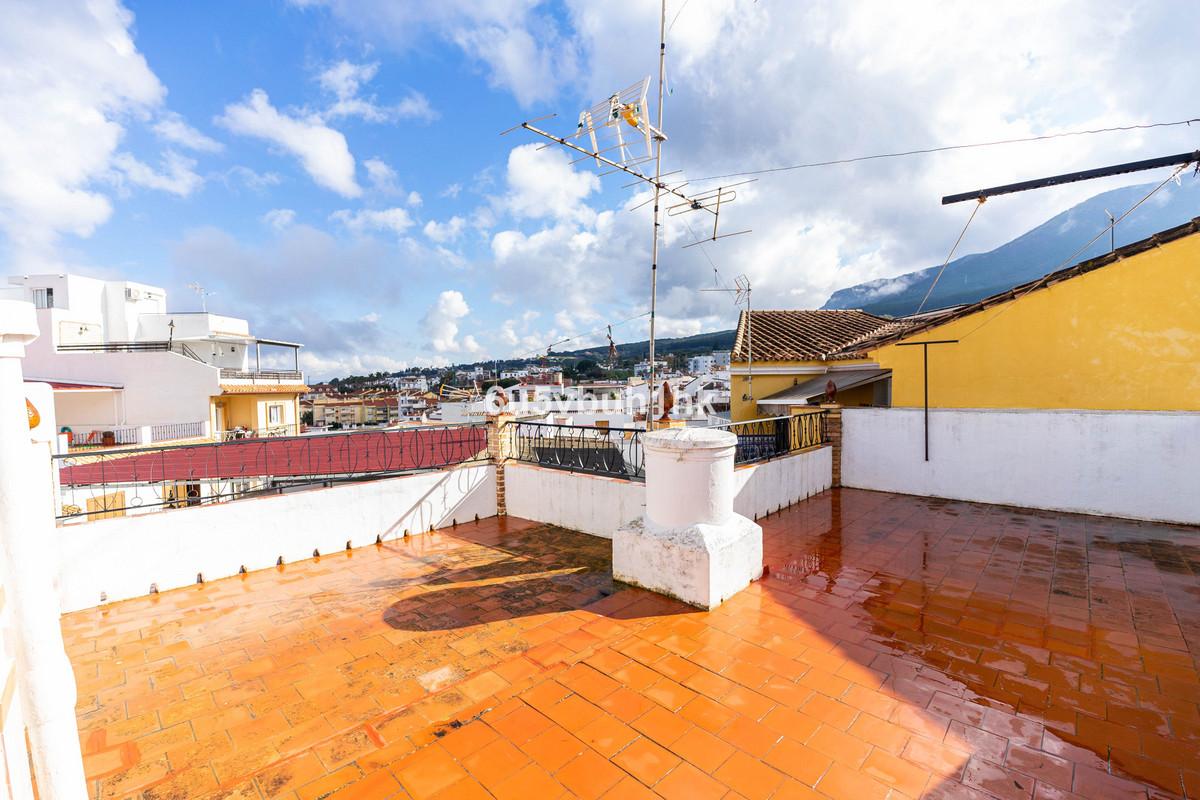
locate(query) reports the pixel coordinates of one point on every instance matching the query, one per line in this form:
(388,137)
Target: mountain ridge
(1031,255)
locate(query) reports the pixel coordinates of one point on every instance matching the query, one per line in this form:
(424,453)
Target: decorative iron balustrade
(107,484)
(262,374)
(615,452)
(176,430)
(763,439)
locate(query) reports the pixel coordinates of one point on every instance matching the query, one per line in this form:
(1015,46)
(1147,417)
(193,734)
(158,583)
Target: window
(43,298)
(275,414)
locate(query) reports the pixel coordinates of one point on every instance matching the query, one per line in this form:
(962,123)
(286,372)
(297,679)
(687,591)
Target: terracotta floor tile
(843,783)
(493,763)
(589,775)
(553,748)
(755,738)
(802,763)
(661,725)
(607,735)
(708,714)
(896,772)
(685,782)
(378,785)
(428,771)
(528,782)
(701,748)
(646,761)
(748,776)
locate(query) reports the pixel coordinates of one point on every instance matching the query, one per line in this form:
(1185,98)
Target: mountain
(1029,256)
(700,343)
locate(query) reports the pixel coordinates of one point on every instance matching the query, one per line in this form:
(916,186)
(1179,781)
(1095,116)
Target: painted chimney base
(702,564)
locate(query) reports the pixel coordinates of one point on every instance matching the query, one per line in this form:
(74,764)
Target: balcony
(262,375)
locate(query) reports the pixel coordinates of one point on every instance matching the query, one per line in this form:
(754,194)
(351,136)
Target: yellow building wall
(768,384)
(1124,336)
(250,411)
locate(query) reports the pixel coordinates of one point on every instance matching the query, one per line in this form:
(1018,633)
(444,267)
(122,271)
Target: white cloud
(70,74)
(254,181)
(279,218)
(518,42)
(381,176)
(177,175)
(542,184)
(344,80)
(448,231)
(414,199)
(440,322)
(452,190)
(396,220)
(174,129)
(322,151)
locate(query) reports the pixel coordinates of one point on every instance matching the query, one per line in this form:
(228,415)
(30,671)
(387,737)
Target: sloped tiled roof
(909,326)
(802,335)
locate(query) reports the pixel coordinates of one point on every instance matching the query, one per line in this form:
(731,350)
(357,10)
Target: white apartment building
(412,383)
(120,361)
(701,365)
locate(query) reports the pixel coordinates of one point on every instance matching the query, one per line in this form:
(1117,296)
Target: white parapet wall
(598,505)
(768,486)
(122,557)
(577,500)
(1140,465)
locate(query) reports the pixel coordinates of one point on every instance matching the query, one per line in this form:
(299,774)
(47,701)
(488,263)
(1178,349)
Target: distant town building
(642,368)
(701,365)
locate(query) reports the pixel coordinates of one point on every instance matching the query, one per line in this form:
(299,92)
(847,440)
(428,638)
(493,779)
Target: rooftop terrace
(899,647)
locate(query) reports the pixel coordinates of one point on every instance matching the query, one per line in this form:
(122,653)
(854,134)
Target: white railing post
(690,544)
(30,577)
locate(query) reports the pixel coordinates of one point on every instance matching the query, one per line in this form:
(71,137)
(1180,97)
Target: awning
(814,388)
(263,388)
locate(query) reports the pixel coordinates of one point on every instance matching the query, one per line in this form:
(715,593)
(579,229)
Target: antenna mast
(204,295)
(658,143)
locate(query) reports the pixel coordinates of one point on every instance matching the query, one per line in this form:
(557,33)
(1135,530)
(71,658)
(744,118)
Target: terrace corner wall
(599,505)
(1135,464)
(594,504)
(122,557)
(767,486)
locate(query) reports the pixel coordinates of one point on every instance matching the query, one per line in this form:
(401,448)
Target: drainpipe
(27,546)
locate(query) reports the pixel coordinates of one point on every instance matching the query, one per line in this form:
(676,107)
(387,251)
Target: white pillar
(27,537)
(690,544)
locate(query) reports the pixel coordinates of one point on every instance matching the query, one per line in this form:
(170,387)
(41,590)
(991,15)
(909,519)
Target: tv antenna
(741,292)
(600,137)
(204,295)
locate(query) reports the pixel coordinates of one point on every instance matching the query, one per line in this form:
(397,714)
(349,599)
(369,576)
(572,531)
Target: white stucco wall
(1141,465)
(123,556)
(589,503)
(768,486)
(599,505)
(159,388)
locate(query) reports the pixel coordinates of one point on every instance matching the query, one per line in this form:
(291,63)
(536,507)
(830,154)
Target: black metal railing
(762,439)
(105,484)
(262,374)
(176,430)
(615,452)
(132,347)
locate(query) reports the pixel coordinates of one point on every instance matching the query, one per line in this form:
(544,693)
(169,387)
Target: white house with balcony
(125,370)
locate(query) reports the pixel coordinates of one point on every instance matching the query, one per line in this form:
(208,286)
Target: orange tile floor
(899,647)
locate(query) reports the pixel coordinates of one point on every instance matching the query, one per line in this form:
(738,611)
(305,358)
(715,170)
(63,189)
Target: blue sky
(333,170)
